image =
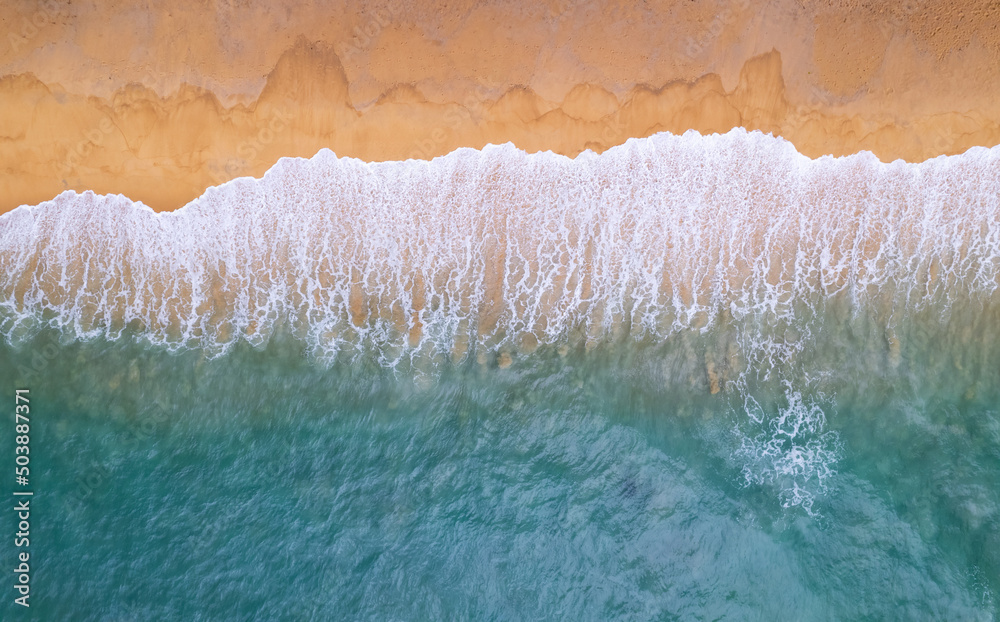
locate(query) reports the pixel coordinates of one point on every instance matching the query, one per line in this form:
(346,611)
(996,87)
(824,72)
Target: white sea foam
(794,452)
(498,249)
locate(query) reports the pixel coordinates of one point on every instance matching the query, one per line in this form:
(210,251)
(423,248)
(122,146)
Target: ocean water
(690,378)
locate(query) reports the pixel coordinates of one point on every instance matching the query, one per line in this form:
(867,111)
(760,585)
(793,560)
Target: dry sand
(159,104)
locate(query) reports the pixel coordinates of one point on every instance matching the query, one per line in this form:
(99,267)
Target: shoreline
(511,247)
(325,153)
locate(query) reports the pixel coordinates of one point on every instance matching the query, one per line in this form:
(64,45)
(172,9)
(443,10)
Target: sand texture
(158,104)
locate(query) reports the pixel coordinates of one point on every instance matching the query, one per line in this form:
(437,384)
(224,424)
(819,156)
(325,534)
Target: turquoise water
(692,378)
(593,485)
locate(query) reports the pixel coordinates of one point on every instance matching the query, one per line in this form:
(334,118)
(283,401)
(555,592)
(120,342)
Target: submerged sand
(159,104)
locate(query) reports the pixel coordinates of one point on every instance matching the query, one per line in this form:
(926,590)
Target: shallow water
(758,410)
(585,486)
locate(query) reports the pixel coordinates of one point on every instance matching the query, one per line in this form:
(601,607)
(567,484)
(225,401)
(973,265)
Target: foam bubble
(793,453)
(501,250)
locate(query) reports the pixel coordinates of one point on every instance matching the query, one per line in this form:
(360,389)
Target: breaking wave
(749,268)
(496,250)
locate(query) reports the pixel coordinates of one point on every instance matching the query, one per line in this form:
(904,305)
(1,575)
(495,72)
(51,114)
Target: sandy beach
(158,106)
(584,310)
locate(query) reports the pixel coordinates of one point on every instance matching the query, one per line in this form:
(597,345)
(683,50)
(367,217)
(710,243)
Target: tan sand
(158,105)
